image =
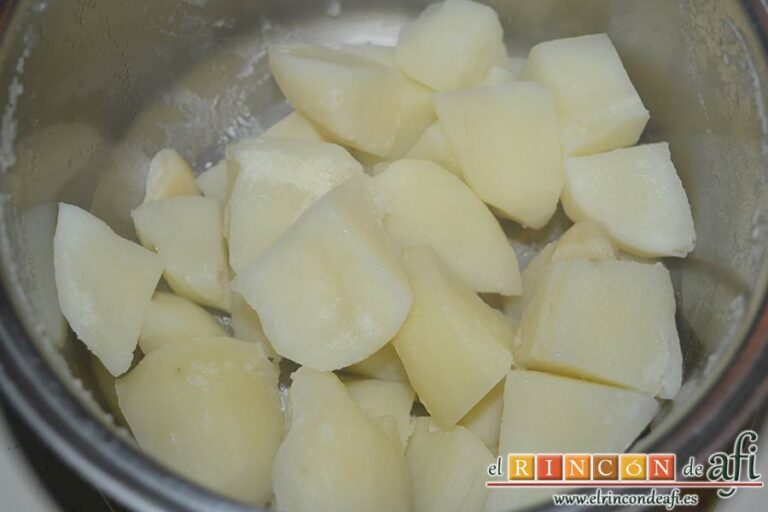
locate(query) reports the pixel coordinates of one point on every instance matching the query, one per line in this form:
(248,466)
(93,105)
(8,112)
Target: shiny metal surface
(92,89)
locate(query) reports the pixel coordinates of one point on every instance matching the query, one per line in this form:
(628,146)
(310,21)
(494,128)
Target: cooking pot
(91,90)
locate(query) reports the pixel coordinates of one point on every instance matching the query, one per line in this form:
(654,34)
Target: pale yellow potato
(378,399)
(498,75)
(607,321)
(484,420)
(171,318)
(448,468)
(295,126)
(636,195)
(426,205)
(278,179)
(214,183)
(208,408)
(104,284)
(433,145)
(531,276)
(334,458)
(585,239)
(169,176)
(507,140)
(382,365)
(598,107)
(331,291)
(451,45)
(187,234)
(454,346)
(246,326)
(105,383)
(546,413)
(359,102)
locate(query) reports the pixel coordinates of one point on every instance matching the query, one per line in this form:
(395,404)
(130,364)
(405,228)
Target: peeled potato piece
(208,408)
(247,326)
(278,180)
(531,276)
(104,283)
(295,126)
(497,76)
(334,458)
(382,365)
(105,383)
(448,468)
(484,419)
(171,318)
(169,176)
(330,292)
(214,182)
(636,195)
(454,346)
(585,240)
(607,321)
(426,205)
(598,107)
(186,232)
(451,45)
(507,140)
(545,413)
(434,146)
(378,398)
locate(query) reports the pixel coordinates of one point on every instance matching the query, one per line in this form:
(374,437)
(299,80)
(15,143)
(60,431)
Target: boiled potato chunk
(546,413)
(598,107)
(451,45)
(208,408)
(169,176)
(607,321)
(246,326)
(334,458)
(507,141)
(531,276)
(331,291)
(172,318)
(382,365)
(454,347)
(378,398)
(484,419)
(448,468)
(433,145)
(426,205)
(105,384)
(214,182)
(278,179)
(498,75)
(295,126)
(186,232)
(636,195)
(585,240)
(104,283)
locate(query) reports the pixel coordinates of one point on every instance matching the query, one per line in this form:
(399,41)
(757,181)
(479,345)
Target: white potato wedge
(382,365)
(546,413)
(448,468)
(451,45)
(606,321)
(334,458)
(169,176)
(378,398)
(187,234)
(484,420)
(171,318)
(426,205)
(433,145)
(498,75)
(507,140)
(636,195)
(246,326)
(278,179)
(330,292)
(587,240)
(208,408)
(598,107)
(214,182)
(531,276)
(104,284)
(454,347)
(295,126)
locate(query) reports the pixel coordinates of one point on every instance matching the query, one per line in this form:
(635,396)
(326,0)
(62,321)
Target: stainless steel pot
(92,89)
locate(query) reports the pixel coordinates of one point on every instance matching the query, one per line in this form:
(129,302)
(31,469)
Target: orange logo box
(605,467)
(549,467)
(520,467)
(662,466)
(633,466)
(577,466)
